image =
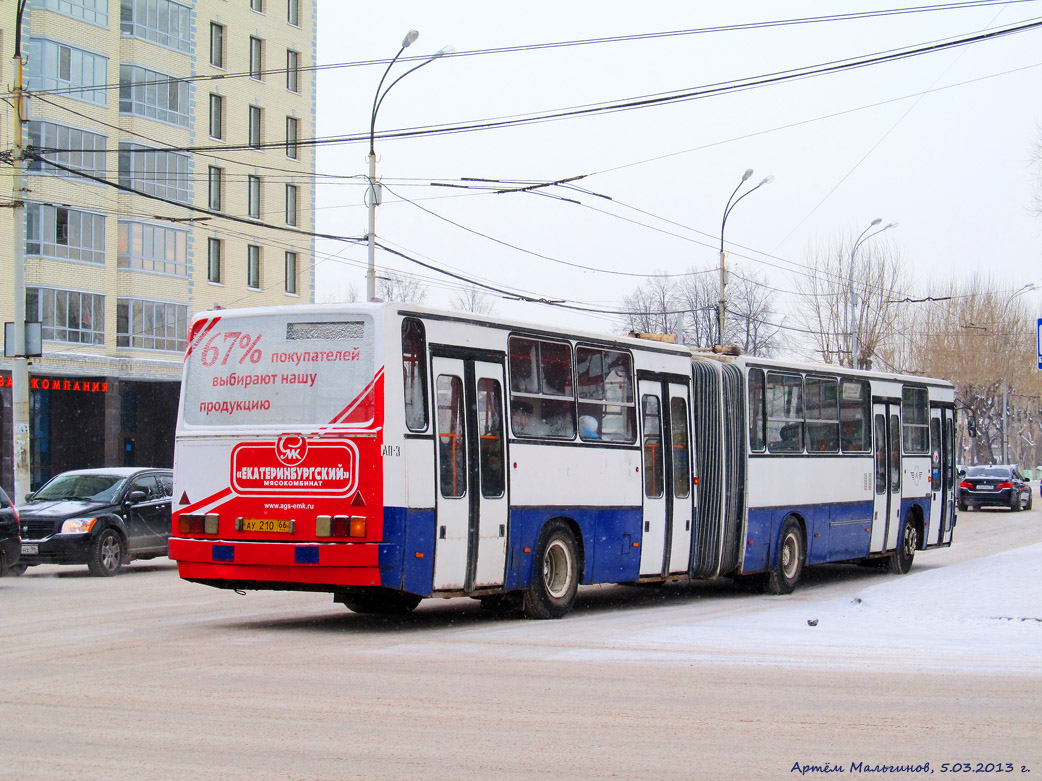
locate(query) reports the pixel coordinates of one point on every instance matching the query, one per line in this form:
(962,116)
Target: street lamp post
(731,203)
(854,320)
(374,187)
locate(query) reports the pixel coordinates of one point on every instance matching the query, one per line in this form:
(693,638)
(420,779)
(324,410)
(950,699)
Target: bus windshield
(287,370)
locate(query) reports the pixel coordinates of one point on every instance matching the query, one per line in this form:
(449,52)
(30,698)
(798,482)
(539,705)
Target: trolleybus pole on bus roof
(374,191)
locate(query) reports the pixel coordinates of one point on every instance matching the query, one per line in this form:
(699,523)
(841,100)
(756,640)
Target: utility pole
(20,368)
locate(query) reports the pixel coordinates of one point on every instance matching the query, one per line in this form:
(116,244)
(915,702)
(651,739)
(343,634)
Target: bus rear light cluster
(198,524)
(340,526)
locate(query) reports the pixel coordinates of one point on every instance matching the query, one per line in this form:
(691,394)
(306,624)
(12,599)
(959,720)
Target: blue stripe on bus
(835,532)
(608,535)
(407,563)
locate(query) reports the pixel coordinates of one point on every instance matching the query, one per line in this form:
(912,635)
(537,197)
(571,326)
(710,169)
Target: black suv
(99,517)
(994,486)
(10,545)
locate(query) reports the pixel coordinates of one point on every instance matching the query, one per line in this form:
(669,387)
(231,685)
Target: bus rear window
(279,370)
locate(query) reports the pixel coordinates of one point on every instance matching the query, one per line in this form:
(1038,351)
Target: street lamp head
(891,225)
(410,38)
(443,51)
(766,180)
(747,174)
(876,221)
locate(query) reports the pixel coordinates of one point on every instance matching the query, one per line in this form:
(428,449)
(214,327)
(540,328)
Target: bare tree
(979,335)
(341,295)
(471,299)
(395,286)
(687,305)
(653,308)
(874,274)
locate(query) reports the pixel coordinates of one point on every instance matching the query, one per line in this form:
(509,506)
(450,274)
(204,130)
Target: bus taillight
(198,524)
(340,526)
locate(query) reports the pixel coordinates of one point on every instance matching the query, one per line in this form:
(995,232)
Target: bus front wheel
(792,552)
(900,561)
(555,579)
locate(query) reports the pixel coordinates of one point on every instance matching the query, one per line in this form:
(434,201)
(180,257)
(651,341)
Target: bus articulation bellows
(386,453)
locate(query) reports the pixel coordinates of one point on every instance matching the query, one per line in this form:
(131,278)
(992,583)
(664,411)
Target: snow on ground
(982,616)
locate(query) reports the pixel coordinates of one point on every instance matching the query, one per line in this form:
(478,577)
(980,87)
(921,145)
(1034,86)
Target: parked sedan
(103,518)
(994,486)
(10,545)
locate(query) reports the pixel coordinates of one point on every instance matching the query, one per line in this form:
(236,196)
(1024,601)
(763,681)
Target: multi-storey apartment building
(163,105)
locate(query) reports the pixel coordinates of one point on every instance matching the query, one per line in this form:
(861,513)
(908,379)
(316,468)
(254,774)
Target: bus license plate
(30,550)
(266,525)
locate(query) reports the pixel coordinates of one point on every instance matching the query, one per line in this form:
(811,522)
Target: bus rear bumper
(252,564)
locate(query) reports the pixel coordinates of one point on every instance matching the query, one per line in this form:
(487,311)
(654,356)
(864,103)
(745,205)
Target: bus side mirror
(971,425)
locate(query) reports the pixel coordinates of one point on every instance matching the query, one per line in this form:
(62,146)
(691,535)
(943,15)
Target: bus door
(471,524)
(948,477)
(666,461)
(886,436)
(938,496)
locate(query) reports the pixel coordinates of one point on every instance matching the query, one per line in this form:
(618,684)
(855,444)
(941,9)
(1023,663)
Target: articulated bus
(386,453)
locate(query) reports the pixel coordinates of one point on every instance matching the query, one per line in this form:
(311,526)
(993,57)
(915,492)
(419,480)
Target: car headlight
(78,525)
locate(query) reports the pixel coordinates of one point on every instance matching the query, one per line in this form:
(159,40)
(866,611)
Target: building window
(87,155)
(214,188)
(67,315)
(257,5)
(253,269)
(93,11)
(149,247)
(256,58)
(216,116)
(213,260)
(255,122)
(155,172)
(67,234)
(253,196)
(292,204)
(292,70)
(159,21)
(291,272)
(293,12)
(217,45)
(146,93)
(153,325)
(56,66)
(292,138)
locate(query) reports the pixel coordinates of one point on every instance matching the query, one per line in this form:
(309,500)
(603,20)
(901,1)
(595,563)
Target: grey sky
(940,143)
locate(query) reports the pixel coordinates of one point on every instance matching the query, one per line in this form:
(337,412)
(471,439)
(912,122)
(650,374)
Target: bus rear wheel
(555,580)
(379,601)
(792,551)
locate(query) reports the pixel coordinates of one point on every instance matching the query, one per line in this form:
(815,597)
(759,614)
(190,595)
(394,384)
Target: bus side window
(895,454)
(652,419)
(542,401)
(935,454)
(607,410)
(855,415)
(414,374)
(915,417)
(785,413)
(821,403)
(452,444)
(757,423)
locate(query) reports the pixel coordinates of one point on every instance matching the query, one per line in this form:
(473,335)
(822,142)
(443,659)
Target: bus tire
(900,561)
(16,569)
(555,576)
(379,602)
(107,554)
(792,552)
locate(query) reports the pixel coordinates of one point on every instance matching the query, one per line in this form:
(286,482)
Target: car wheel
(900,561)
(555,579)
(1015,503)
(963,507)
(792,551)
(1030,497)
(106,554)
